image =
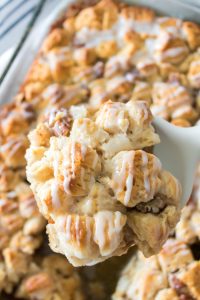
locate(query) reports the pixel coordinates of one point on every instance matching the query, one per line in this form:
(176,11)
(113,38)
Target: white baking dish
(18,70)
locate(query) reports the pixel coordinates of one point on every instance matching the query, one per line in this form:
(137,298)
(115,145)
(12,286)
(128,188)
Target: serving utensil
(179,152)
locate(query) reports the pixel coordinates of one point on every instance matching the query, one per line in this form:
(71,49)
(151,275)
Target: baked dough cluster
(16,118)
(21,227)
(50,277)
(172,274)
(97,185)
(187,229)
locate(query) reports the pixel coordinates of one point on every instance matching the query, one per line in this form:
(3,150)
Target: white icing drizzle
(129,186)
(113,116)
(129,181)
(108,226)
(100,222)
(180,89)
(146,172)
(175,29)
(116,82)
(150,46)
(69,167)
(55,195)
(145,63)
(68,227)
(180,97)
(195,77)
(173,52)
(51,91)
(158,109)
(140,55)
(181,110)
(126,175)
(12,194)
(195,63)
(53,58)
(12,144)
(116,62)
(156,169)
(92,38)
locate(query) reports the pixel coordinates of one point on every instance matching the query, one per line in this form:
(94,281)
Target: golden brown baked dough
(172,100)
(21,228)
(111,50)
(187,229)
(52,277)
(100,192)
(172,274)
(15,121)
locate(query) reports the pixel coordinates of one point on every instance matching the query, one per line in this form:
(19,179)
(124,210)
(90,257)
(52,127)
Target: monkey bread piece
(100,191)
(12,150)
(50,277)
(126,168)
(15,121)
(194,72)
(8,178)
(170,48)
(173,101)
(172,274)
(20,222)
(188,229)
(191,31)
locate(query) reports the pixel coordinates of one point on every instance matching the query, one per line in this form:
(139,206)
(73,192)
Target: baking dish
(29,54)
(15,75)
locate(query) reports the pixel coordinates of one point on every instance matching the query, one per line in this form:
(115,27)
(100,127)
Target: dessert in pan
(86,102)
(112,51)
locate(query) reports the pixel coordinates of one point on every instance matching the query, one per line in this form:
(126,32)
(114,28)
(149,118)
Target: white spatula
(179,152)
